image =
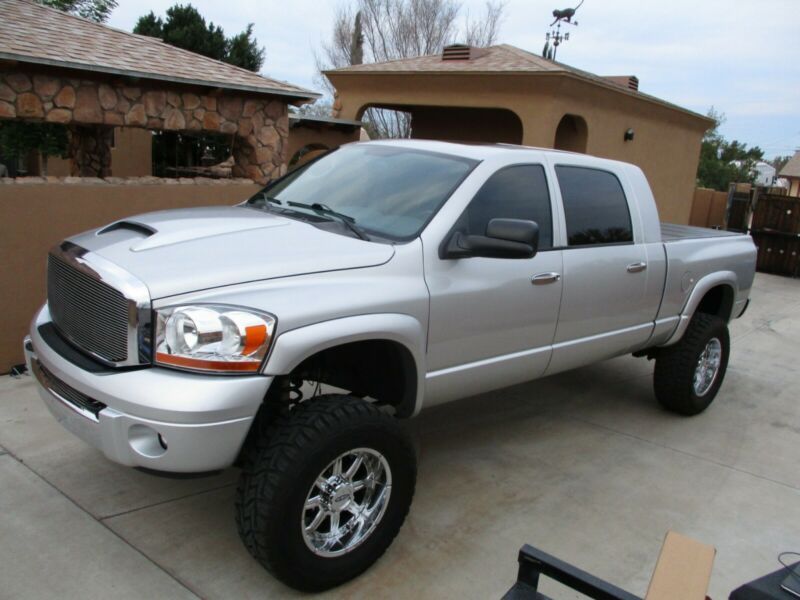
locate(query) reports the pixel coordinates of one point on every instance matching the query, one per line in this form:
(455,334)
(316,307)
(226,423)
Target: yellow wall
(666,143)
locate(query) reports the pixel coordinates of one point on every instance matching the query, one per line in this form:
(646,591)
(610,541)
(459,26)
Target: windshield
(388,191)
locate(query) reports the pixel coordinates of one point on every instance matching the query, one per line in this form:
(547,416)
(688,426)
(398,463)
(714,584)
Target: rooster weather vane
(554,37)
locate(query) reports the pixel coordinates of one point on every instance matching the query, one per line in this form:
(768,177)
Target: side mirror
(505,238)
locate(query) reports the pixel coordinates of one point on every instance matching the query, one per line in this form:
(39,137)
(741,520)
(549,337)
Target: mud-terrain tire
(679,381)
(293,464)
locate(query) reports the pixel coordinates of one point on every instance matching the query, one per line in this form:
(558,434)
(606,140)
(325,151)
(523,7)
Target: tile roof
(502,58)
(30,32)
(791,168)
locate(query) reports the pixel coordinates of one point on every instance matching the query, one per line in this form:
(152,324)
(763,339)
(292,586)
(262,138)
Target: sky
(740,56)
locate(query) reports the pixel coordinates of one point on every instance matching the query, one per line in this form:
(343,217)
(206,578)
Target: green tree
(186,28)
(19,138)
(95,10)
(723,162)
(150,25)
(243,51)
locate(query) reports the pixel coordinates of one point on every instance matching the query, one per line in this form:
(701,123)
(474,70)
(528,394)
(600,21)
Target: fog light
(146,441)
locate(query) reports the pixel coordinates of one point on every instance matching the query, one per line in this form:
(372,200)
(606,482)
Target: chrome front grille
(89,312)
(99,307)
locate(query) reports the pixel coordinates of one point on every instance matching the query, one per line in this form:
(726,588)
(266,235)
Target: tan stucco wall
(666,144)
(34,217)
(131,155)
(794,187)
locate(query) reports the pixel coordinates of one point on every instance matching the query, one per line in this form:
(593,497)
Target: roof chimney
(630,82)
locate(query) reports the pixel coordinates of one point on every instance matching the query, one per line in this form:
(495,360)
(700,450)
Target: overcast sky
(740,56)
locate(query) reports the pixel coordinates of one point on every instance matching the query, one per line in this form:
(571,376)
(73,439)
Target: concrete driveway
(584,465)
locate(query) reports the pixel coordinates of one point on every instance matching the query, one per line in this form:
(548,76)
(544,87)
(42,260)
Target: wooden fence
(776,232)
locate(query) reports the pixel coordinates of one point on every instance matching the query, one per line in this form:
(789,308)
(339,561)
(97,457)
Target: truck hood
(185,250)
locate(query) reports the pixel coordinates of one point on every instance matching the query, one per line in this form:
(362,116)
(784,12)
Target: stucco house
(506,94)
(96,80)
(791,172)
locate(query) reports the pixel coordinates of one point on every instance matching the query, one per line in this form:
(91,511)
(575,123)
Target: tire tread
(675,365)
(270,459)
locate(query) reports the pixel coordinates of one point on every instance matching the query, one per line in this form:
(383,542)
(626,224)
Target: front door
(492,320)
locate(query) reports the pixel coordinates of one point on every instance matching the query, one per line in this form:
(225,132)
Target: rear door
(605,269)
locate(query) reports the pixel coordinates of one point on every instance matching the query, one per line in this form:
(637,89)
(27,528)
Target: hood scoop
(137,228)
(166,228)
(184,250)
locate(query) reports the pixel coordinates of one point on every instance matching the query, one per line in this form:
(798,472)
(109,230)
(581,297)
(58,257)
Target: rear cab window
(595,207)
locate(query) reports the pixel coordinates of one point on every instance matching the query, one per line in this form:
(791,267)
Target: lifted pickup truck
(393,276)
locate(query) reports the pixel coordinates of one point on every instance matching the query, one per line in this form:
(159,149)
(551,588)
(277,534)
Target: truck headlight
(209,337)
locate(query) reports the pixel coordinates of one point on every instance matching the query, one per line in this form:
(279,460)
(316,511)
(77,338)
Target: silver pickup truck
(290,335)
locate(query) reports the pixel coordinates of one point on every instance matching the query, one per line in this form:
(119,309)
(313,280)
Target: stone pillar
(261,142)
(90,150)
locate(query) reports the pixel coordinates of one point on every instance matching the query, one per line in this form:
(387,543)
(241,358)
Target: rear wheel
(324,491)
(688,375)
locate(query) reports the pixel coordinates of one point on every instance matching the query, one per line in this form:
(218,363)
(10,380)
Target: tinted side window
(594,206)
(518,192)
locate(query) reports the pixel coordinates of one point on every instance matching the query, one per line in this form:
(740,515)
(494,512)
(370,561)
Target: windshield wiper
(266,200)
(323,209)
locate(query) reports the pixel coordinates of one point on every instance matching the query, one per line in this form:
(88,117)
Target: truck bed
(675,233)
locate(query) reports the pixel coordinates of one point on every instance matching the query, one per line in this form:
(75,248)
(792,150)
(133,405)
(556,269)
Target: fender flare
(296,345)
(701,288)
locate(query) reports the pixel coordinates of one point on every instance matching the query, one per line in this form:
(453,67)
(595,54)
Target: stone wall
(258,124)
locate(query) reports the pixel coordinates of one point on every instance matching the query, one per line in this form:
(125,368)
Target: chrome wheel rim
(346,502)
(707,369)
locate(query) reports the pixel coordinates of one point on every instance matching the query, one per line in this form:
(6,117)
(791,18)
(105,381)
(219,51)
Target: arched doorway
(571,134)
(445,123)
(306,153)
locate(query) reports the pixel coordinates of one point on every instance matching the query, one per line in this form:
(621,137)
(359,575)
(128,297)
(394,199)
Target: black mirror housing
(505,238)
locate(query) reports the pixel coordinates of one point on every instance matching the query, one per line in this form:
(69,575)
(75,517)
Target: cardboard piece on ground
(683,569)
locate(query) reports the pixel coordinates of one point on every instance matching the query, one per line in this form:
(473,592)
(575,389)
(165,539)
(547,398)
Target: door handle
(637,267)
(545,278)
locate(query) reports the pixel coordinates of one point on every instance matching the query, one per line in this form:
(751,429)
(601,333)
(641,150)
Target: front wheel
(324,491)
(688,375)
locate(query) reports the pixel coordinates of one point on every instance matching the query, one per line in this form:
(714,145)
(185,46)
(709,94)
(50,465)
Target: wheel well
(381,369)
(717,301)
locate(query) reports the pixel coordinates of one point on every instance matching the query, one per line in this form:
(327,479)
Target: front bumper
(155,418)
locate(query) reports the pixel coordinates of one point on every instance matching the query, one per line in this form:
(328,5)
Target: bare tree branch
(393,29)
(483,32)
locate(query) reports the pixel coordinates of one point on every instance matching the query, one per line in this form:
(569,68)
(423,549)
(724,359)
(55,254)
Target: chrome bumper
(154,418)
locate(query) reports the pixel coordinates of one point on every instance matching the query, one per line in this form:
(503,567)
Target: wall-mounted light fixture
(629,135)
